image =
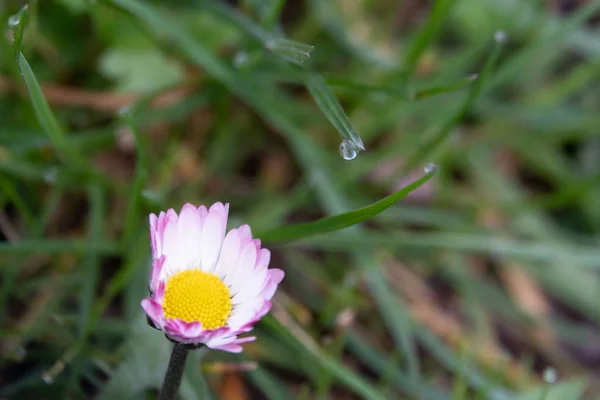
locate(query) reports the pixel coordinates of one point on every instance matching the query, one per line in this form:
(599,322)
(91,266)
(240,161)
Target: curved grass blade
(40,106)
(331,107)
(446,88)
(44,114)
(341,221)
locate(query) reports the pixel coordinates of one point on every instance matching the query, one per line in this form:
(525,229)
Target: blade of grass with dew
(290,50)
(341,221)
(476,89)
(331,107)
(298,53)
(19,22)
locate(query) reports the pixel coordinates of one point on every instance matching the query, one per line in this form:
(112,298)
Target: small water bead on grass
(348,149)
(500,37)
(550,375)
(431,168)
(240,59)
(15,19)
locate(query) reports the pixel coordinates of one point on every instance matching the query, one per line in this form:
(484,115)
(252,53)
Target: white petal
(189,230)
(230,253)
(243,269)
(213,232)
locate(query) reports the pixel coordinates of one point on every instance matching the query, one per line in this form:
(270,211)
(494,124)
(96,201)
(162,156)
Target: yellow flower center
(194,295)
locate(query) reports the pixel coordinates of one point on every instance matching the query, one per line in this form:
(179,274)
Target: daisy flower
(207,288)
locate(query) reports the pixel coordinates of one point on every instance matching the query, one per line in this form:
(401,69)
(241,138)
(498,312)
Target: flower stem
(174,372)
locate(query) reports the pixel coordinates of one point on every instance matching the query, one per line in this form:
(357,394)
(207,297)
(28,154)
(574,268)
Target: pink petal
(154,311)
(157,265)
(234,347)
(276,275)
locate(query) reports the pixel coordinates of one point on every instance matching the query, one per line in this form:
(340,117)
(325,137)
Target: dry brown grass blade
(60,95)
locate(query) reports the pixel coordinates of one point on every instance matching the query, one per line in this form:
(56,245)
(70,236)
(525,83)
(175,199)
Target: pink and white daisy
(207,288)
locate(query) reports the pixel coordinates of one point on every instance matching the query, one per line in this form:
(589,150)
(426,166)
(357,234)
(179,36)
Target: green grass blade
(139,180)
(541,251)
(91,260)
(447,88)
(341,221)
(44,114)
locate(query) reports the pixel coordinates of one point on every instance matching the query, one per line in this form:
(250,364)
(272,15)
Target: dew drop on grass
(550,375)
(240,58)
(348,149)
(47,378)
(500,36)
(431,168)
(123,111)
(15,19)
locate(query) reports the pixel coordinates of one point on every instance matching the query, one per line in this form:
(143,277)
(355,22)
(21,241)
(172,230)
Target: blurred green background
(480,284)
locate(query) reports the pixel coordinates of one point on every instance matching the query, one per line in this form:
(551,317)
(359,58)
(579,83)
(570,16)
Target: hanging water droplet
(500,36)
(240,58)
(550,375)
(431,168)
(47,378)
(473,77)
(348,149)
(14,20)
(50,175)
(123,111)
